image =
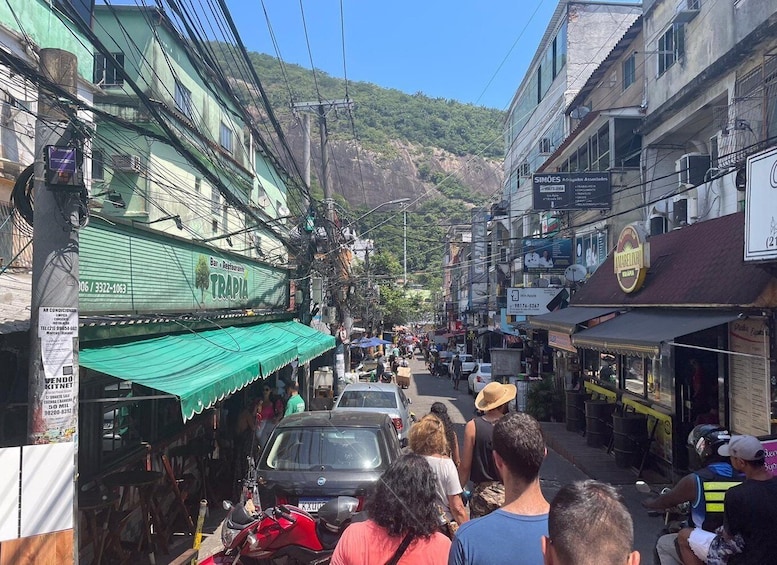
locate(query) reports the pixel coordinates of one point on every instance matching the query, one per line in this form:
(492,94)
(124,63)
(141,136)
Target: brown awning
(567,320)
(642,332)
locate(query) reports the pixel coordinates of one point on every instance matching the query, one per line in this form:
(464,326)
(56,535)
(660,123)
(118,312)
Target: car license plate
(312,505)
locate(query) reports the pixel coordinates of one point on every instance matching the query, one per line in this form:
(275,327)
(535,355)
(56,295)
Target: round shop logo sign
(631,259)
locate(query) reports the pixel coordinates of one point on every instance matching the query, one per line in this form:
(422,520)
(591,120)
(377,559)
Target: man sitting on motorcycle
(704,490)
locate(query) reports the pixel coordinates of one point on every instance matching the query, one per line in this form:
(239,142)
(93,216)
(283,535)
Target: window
(198,185)
(98,165)
(215,201)
(105,72)
(629,71)
(671,47)
(544,146)
(634,375)
(600,149)
(183,100)
(525,170)
(225,137)
(628,143)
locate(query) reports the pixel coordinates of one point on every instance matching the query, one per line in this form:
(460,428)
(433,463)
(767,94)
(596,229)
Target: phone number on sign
(102,287)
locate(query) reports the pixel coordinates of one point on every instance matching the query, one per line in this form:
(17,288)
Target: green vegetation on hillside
(383,114)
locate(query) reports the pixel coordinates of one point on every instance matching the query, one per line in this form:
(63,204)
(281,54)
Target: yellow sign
(631,259)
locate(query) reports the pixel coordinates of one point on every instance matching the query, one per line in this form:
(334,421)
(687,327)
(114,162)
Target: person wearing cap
(703,490)
(477,461)
(751,508)
(512,533)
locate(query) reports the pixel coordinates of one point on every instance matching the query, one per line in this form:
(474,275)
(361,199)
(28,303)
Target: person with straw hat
(512,533)
(477,460)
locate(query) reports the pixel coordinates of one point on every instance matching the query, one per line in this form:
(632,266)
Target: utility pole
(58,188)
(321,109)
(404,243)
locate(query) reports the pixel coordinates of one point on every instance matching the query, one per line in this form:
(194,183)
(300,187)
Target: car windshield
(296,449)
(367,399)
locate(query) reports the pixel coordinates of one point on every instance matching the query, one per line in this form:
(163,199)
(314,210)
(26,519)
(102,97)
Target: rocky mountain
(391,144)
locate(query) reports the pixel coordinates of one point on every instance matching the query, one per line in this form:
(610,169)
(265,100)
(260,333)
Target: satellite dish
(575,273)
(541,283)
(283,210)
(263,201)
(579,113)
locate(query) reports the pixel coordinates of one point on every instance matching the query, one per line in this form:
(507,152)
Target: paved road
(556,471)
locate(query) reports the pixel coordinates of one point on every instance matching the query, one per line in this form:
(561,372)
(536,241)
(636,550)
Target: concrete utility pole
(53,376)
(321,109)
(54,305)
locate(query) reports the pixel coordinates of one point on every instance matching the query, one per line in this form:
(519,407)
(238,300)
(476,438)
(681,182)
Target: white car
(479,378)
(468,364)
(386,398)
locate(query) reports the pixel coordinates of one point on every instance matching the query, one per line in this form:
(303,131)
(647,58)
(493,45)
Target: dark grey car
(315,456)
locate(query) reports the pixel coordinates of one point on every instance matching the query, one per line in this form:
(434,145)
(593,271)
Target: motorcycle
(283,534)
(279,534)
(675,518)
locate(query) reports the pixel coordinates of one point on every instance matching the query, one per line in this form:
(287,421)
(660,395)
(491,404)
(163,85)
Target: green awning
(309,341)
(199,368)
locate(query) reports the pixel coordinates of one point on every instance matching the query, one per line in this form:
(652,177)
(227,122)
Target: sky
(472,51)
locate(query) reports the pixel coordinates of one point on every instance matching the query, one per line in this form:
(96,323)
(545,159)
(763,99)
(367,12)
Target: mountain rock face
(368,178)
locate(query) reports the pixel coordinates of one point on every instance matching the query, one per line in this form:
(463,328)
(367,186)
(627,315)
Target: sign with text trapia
(127,270)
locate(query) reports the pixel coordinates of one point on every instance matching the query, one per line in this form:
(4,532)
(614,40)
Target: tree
(202,276)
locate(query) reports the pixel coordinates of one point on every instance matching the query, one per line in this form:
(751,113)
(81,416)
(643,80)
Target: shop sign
(770,446)
(631,259)
(760,215)
(572,191)
(127,270)
(560,340)
(547,254)
(531,301)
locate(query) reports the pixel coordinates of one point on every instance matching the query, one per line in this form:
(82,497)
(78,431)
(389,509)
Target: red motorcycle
(282,534)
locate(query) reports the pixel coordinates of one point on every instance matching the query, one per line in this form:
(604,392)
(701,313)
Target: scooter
(282,534)
(675,518)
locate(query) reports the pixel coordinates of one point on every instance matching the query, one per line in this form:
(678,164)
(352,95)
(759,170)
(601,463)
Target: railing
(15,240)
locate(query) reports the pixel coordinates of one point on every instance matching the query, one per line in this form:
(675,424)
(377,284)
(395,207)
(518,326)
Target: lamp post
(404,244)
(379,206)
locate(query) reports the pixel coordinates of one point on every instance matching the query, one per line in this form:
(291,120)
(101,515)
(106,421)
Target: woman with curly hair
(441,411)
(427,438)
(403,520)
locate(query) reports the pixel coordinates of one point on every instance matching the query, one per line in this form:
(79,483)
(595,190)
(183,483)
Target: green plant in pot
(544,400)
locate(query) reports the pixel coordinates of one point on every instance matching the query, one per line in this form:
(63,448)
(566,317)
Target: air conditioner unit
(692,167)
(126,163)
(680,212)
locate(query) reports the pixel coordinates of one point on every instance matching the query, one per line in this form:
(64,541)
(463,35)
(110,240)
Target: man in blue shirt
(513,533)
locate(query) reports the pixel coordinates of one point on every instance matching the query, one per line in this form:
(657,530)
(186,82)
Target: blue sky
(471,51)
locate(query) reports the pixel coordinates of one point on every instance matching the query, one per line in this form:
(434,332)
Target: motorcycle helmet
(337,513)
(706,439)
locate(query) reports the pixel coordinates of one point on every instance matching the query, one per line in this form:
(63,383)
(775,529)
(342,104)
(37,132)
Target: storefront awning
(566,320)
(309,341)
(642,332)
(203,367)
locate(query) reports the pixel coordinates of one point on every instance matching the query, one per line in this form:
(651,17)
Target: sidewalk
(593,461)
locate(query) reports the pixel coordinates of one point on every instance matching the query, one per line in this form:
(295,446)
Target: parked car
(479,378)
(468,364)
(384,398)
(312,457)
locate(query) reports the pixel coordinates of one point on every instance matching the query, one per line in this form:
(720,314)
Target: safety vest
(712,484)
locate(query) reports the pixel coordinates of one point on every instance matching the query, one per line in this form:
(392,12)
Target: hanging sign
(631,259)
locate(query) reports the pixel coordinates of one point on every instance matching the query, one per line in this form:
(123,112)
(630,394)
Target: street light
(379,206)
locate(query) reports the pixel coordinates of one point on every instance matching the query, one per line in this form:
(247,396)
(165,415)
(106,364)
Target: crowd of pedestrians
(418,512)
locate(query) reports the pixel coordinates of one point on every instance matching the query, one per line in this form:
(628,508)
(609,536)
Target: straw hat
(493,395)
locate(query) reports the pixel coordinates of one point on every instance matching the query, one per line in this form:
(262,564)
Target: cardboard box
(403,376)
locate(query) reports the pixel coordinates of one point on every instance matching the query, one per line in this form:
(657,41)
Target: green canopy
(309,341)
(201,368)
